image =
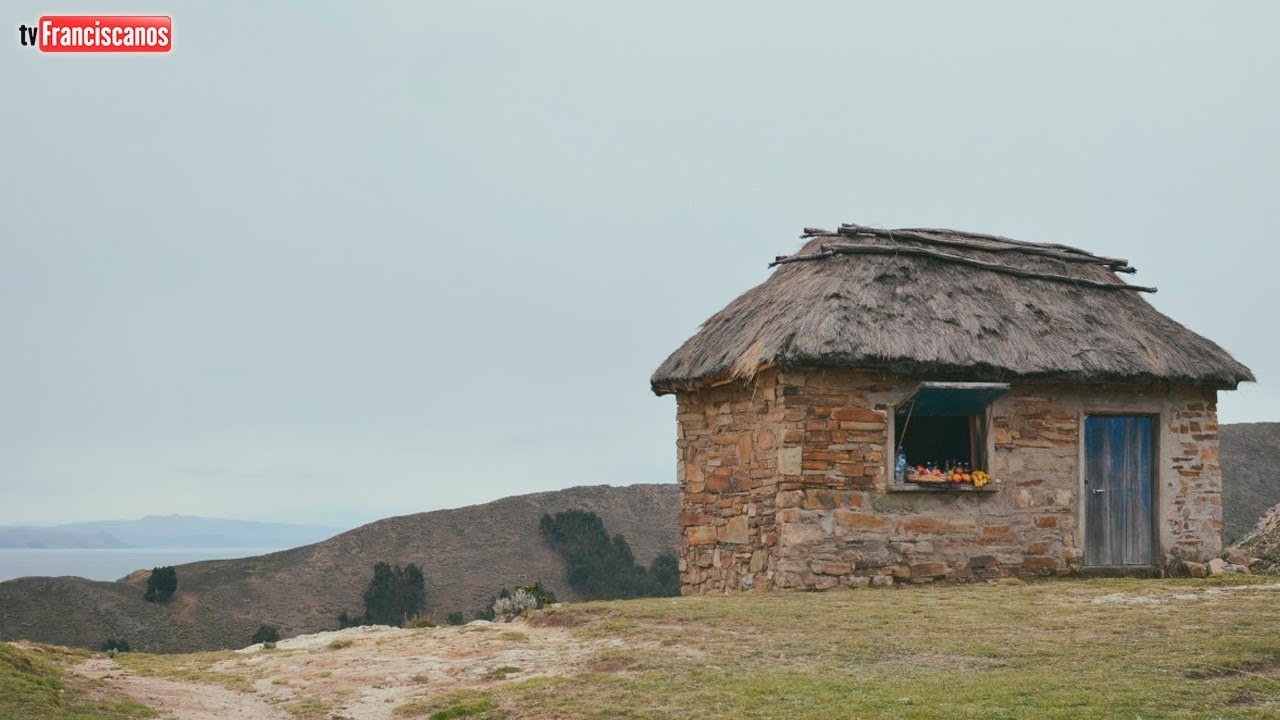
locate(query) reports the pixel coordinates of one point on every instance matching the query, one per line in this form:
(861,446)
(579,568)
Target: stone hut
(1093,413)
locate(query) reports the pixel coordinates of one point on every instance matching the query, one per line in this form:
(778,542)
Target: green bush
(604,568)
(487,612)
(112,644)
(663,577)
(162,584)
(266,634)
(455,618)
(504,606)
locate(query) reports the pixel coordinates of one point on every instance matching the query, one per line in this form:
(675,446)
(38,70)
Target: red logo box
(105,33)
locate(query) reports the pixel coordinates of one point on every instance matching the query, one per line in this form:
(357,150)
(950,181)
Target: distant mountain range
(164,531)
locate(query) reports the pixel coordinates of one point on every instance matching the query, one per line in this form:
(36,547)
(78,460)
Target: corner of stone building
(1191,502)
(728,462)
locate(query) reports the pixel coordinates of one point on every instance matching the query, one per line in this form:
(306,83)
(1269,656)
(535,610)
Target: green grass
(453,705)
(1038,650)
(501,673)
(34,687)
(193,667)
(472,709)
(308,708)
(1051,649)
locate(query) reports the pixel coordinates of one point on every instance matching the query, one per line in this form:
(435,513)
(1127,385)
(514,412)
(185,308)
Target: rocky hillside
(1264,544)
(466,555)
(1250,476)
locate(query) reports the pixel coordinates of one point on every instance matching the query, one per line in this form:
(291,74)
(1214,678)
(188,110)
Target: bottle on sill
(900,467)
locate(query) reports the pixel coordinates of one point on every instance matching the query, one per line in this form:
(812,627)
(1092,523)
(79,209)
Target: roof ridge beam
(829,250)
(927,235)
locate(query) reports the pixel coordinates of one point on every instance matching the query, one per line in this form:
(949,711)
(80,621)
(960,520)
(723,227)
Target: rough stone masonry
(786,483)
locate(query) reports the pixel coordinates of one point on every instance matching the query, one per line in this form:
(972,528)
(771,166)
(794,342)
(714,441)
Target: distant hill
(466,555)
(1250,476)
(164,531)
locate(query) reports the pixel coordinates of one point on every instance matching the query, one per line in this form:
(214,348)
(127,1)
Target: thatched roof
(947,305)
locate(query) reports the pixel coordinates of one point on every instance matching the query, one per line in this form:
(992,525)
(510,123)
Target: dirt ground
(180,699)
(358,673)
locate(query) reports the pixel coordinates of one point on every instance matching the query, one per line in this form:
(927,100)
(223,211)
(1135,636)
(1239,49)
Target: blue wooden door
(1118,487)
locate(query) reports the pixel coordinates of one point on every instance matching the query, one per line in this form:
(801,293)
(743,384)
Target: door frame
(1082,462)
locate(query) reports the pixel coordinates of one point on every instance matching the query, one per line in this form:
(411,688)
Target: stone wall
(1192,486)
(787,484)
(728,468)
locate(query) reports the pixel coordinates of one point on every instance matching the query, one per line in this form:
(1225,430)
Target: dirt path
(181,699)
(358,673)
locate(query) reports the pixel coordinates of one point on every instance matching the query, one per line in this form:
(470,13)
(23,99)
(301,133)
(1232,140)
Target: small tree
(266,634)
(601,567)
(394,595)
(455,618)
(664,575)
(162,584)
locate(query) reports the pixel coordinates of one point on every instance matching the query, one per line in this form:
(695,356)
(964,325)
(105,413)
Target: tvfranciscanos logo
(99,33)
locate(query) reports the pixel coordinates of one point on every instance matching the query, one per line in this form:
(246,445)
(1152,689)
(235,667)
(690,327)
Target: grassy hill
(1055,649)
(1250,480)
(466,555)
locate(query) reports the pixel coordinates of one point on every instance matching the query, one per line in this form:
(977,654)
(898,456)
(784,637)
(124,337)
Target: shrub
(507,606)
(345,621)
(340,643)
(266,634)
(114,645)
(423,621)
(162,584)
(512,606)
(544,596)
(455,618)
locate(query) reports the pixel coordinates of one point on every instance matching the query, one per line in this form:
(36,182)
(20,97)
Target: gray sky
(348,261)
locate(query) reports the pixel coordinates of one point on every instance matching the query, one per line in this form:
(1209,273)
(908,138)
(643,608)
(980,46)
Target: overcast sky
(328,263)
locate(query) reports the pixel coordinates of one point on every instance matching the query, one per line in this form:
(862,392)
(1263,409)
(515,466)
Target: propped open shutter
(957,398)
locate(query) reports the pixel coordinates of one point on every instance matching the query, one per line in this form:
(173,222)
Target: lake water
(111,564)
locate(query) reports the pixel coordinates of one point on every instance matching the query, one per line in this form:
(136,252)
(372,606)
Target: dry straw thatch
(948,305)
